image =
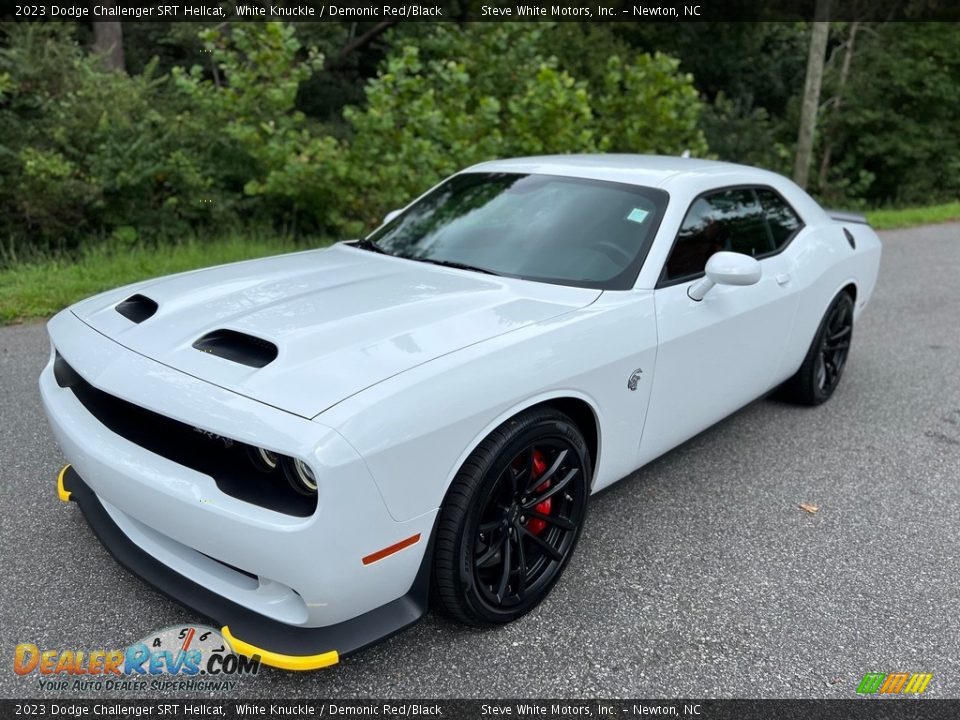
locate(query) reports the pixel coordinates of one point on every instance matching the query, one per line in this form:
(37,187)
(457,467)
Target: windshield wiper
(365,244)
(457,265)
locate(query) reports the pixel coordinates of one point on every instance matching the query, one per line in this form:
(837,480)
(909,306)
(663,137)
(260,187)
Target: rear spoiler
(844,216)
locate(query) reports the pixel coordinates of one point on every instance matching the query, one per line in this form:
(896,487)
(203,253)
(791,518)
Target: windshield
(555,229)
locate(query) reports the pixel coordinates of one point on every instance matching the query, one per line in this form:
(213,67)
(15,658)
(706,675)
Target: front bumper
(278,644)
(292,577)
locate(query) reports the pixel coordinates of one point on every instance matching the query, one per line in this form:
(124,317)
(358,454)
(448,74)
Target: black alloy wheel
(822,368)
(512,519)
(834,346)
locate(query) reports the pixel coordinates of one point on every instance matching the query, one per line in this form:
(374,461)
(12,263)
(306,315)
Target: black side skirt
(251,627)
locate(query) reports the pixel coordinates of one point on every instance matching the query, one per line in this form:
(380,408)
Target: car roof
(648,170)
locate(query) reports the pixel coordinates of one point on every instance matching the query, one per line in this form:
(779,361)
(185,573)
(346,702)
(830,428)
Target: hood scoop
(137,308)
(238,347)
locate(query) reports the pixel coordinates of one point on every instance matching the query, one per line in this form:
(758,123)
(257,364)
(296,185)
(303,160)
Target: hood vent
(137,308)
(238,347)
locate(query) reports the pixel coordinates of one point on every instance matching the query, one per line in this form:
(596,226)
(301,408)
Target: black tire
(819,376)
(484,527)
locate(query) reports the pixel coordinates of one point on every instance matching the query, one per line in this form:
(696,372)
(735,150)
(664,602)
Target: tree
(723,58)
(108,41)
(488,90)
(292,159)
(751,108)
(811,93)
(896,139)
(359,43)
(837,104)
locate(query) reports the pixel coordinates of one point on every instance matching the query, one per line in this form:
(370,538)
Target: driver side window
(725,220)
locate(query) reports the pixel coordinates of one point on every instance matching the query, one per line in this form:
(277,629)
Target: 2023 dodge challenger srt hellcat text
(305,448)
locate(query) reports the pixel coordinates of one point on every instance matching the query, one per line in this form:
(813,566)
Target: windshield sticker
(637,215)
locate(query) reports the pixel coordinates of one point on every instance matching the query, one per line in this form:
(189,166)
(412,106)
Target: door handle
(783,279)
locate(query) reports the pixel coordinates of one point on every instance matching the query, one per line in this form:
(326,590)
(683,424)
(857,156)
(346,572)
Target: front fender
(415,430)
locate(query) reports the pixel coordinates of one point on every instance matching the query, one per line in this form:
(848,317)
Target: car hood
(342,319)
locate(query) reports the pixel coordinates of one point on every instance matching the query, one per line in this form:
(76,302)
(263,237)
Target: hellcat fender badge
(635,377)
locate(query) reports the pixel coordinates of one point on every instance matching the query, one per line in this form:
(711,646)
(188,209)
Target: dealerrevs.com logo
(189,657)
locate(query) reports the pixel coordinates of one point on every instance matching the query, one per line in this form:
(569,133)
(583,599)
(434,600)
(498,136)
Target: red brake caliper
(536,525)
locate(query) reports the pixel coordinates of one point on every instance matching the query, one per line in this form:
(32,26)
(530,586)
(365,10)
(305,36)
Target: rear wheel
(511,519)
(822,368)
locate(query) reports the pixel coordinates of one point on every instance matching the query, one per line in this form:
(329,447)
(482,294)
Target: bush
(86,152)
(289,159)
(427,116)
(743,134)
(143,158)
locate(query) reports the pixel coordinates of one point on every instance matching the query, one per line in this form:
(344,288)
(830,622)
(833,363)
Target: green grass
(39,289)
(909,217)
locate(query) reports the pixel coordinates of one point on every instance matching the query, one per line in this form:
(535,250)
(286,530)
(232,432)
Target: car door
(718,354)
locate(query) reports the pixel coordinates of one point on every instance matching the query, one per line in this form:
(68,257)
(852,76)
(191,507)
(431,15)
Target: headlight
(300,476)
(263,459)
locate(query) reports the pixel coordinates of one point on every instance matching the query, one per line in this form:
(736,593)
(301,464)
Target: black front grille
(227,461)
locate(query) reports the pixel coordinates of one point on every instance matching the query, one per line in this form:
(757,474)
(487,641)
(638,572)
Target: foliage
(739,132)
(154,154)
(288,156)
(750,74)
(648,106)
(416,128)
(756,65)
(86,152)
(226,125)
(897,133)
(427,115)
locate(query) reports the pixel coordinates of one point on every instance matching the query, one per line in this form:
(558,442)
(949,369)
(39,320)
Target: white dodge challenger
(306,448)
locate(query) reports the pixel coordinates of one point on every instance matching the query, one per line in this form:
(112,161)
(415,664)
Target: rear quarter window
(782,220)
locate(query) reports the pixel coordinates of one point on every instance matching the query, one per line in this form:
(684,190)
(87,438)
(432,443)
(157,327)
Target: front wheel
(822,368)
(511,519)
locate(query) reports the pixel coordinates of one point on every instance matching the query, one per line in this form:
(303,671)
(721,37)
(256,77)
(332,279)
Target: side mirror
(391,215)
(726,268)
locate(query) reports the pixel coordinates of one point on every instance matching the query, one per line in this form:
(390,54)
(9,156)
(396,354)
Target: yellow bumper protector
(278,660)
(62,492)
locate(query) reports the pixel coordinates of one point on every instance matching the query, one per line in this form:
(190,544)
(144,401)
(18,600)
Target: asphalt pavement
(698,576)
